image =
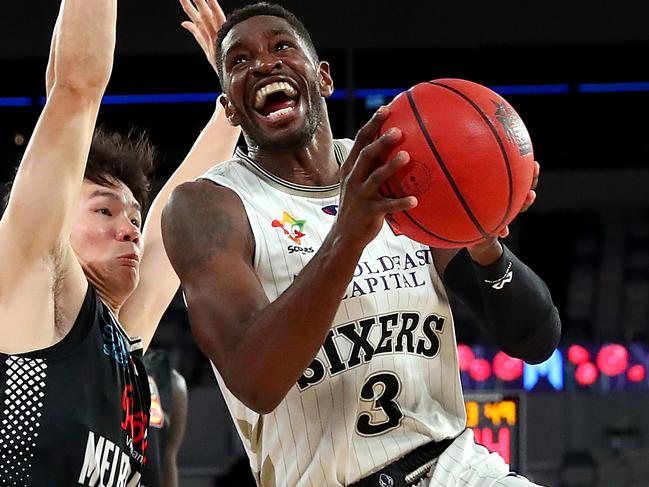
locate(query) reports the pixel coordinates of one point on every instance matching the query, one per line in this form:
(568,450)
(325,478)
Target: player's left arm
(142,312)
(177,427)
(506,295)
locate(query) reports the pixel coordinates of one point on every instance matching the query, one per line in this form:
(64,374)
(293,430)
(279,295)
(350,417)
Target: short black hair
(255,10)
(127,158)
(116,157)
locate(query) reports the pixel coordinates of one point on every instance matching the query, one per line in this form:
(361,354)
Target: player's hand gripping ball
(471,162)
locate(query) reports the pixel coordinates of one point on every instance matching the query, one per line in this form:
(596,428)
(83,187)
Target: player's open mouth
(276,101)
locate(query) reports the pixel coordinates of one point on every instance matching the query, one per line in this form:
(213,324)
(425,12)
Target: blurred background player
(333,378)
(167,421)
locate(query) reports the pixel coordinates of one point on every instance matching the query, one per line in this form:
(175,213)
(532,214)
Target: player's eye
(283,45)
(135,222)
(240,59)
(104,211)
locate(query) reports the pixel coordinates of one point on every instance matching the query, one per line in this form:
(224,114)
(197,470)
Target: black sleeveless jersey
(75,413)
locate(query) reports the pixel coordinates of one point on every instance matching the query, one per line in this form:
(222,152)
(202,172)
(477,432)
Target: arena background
(575,71)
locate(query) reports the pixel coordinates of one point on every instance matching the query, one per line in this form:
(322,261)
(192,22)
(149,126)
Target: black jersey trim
(134,343)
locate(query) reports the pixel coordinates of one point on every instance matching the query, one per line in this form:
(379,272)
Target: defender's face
(274,88)
(106,238)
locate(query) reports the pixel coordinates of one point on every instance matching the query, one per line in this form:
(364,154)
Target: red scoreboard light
(604,368)
(498,424)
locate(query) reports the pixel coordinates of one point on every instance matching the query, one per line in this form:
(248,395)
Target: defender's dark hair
(255,10)
(126,158)
(114,156)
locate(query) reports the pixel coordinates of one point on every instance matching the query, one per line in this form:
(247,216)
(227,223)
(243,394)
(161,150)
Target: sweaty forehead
(260,26)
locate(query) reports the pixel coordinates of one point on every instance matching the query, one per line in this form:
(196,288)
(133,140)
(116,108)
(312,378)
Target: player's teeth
(264,91)
(280,113)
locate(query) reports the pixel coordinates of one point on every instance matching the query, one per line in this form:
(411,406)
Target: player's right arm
(34,230)
(262,348)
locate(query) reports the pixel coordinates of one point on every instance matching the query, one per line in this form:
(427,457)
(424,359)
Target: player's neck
(113,296)
(314,164)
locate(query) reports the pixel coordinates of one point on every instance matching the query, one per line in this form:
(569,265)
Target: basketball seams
(499,141)
(391,193)
(442,165)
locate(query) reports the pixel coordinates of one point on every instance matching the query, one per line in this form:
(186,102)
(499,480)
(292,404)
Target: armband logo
(498,284)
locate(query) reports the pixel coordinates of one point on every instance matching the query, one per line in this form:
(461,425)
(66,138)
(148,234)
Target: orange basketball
(471,162)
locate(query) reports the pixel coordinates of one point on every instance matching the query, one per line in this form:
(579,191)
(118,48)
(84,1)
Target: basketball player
(332,338)
(75,396)
(167,421)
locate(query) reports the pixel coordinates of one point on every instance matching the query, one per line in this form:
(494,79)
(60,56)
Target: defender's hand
(362,207)
(206,18)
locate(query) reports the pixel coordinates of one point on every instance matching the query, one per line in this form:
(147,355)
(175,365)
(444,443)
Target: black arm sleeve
(511,300)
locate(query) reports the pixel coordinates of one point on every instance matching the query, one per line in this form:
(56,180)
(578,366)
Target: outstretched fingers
(208,23)
(217,12)
(195,31)
(191,11)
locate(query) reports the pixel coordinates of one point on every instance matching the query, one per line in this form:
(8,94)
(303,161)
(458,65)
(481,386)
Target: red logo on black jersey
(135,422)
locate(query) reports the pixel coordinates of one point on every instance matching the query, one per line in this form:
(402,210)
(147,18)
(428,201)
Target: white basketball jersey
(386,379)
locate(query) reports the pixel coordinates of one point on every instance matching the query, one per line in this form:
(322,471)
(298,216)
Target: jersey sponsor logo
(330,210)
(115,344)
(106,465)
(156,414)
(135,424)
(390,272)
(394,333)
(292,249)
(292,228)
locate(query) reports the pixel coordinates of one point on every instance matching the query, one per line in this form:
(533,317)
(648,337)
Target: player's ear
(230,111)
(325,80)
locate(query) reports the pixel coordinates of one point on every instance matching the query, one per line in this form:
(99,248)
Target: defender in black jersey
(75,397)
(77,412)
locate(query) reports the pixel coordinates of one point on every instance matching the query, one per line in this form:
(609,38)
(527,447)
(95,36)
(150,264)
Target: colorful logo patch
(293,229)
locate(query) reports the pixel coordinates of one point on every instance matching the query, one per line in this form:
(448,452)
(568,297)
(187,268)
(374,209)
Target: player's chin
(127,276)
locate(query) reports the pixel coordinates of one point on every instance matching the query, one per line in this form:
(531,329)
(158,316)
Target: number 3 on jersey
(382,389)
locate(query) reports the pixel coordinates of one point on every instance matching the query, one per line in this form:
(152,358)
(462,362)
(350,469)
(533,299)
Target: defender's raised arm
(35,228)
